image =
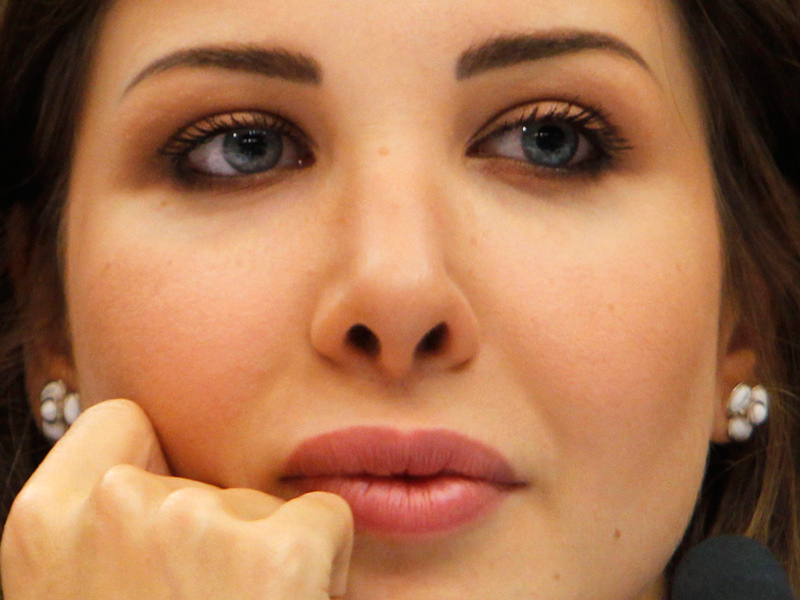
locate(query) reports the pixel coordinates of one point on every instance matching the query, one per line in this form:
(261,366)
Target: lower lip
(411,507)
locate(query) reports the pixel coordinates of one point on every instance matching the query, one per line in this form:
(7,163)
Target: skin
(589,342)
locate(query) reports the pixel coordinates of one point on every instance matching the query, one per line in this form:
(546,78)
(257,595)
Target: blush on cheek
(194,346)
(613,331)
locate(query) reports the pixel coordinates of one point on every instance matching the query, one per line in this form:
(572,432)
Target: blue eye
(558,136)
(238,145)
(549,144)
(250,150)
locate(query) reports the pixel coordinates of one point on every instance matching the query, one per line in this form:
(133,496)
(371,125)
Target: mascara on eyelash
(591,120)
(193,136)
(180,148)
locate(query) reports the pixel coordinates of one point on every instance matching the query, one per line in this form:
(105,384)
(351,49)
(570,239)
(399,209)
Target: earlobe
(44,364)
(736,366)
(48,364)
(741,403)
(34,277)
(48,371)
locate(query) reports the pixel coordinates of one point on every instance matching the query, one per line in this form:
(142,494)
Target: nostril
(362,338)
(434,340)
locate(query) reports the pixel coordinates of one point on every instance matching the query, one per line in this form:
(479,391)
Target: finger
(248,505)
(114,432)
(207,543)
(316,530)
(126,492)
(241,504)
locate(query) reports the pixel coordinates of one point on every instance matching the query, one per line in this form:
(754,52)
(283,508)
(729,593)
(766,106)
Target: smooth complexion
(582,307)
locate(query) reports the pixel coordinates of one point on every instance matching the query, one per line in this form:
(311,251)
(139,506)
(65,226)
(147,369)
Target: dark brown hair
(45,48)
(747,57)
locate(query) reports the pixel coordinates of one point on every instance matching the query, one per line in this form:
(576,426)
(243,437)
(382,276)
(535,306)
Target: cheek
(617,307)
(194,325)
(611,321)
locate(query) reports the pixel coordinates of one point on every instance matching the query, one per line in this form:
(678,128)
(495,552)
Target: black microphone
(730,567)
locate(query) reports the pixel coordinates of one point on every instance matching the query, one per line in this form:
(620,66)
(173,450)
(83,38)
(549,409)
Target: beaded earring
(748,407)
(59,409)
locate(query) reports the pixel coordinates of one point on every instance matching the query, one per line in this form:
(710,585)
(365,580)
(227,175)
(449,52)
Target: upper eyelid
(524,110)
(527,110)
(592,120)
(217,125)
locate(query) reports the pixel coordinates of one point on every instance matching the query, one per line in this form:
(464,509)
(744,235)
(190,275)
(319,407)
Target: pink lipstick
(397,483)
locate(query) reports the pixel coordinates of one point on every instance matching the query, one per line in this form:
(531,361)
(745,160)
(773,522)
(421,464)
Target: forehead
(372,37)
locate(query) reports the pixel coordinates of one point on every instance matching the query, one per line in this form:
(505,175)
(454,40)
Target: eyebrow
(506,51)
(278,62)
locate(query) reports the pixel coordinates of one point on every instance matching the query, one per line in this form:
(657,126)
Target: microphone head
(730,567)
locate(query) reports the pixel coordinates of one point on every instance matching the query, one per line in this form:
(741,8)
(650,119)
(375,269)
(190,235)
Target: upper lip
(386,452)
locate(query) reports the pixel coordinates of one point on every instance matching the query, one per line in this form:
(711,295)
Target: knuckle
(24,518)
(118,481)
(289,556)
(186,513)
(118,492)
(334,514)
(334,505)
(34,520)
(189,501)
(31,508)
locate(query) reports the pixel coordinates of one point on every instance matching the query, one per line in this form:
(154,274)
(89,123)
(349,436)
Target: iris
(252,150)
(549,144)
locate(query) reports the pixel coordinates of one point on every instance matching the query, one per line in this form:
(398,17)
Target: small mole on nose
(383,151)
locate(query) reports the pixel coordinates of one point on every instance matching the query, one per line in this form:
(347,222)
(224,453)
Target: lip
(404,483)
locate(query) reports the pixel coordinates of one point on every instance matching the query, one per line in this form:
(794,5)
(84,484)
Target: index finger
(110,433)
(315,532)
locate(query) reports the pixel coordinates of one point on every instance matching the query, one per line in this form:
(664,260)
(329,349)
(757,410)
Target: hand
(103,518)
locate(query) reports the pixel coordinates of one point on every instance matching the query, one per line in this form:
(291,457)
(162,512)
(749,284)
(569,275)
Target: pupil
(252,151)
(549,145)
(550,138)
(251,144)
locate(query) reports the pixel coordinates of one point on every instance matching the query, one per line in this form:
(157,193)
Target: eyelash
(190,138)
(590,122)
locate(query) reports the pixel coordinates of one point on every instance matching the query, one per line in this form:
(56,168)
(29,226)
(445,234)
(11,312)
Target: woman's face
(490,219)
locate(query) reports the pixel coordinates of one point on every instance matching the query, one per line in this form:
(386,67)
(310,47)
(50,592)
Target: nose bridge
(393,304)
(397,221)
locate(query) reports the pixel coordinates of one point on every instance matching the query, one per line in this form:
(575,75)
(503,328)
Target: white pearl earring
(59,409)
(748,407)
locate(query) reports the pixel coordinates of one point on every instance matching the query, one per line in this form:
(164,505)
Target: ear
(736,363)
(39,303)
(44,362)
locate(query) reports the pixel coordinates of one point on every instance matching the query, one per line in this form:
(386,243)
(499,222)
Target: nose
(393,306)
